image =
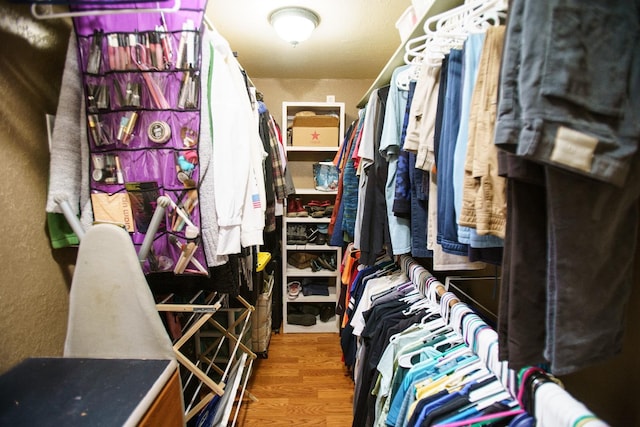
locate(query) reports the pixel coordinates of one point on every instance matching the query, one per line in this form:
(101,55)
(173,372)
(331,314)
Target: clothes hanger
(405,361)
(418,305)
(105,11)
(450,29)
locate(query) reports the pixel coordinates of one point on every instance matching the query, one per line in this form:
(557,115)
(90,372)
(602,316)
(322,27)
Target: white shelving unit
(300,160)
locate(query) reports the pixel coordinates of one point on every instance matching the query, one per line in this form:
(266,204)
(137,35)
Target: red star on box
(315,135)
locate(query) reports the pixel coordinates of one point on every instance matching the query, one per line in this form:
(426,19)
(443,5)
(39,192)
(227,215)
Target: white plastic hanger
(50,14)
(449,29)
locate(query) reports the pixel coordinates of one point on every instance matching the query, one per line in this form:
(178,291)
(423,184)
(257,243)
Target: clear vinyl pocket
(588,58)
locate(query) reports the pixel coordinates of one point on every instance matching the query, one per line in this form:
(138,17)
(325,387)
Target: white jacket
(238,153)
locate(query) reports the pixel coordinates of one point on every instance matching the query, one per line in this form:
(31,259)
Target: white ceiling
(354,40)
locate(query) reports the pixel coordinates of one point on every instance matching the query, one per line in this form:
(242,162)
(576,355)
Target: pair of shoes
(301,260)
(293,289)
(320,211)
(327,311)
(295,207)
(296,234)
(327,261)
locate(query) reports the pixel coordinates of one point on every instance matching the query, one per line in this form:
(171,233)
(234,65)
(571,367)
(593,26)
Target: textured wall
(35,279)
(276,91)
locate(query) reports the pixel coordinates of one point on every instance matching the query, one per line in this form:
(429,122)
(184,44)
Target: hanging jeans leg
(592,235)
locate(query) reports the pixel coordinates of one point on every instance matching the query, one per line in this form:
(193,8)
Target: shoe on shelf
(327,261)
(311,234)
(321,239)
(328,211)
(327,311)
(302,319)
(295,208)
(323,234)
(301,234)
(319,203)
(315,265)
(293,289)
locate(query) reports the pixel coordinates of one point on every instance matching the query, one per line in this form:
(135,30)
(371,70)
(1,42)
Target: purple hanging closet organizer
(141,77)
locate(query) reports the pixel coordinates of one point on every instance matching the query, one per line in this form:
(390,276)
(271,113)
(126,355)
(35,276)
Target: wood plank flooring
(303,382)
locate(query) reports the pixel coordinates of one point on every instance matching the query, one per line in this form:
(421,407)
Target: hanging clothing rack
(553,409)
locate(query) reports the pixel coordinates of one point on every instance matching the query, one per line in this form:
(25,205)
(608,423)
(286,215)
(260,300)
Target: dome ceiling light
(294,24)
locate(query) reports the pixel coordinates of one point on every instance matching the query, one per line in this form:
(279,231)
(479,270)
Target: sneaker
(311,234)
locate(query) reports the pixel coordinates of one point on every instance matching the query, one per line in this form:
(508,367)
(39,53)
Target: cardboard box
(315,131)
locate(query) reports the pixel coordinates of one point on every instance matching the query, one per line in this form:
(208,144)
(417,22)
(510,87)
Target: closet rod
(424,278)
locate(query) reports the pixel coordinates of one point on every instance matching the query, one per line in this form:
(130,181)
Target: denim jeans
(447,224)
(570,85)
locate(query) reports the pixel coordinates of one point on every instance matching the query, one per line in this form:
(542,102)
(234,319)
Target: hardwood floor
(303,382)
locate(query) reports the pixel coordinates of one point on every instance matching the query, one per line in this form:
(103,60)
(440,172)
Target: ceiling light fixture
(294,24)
